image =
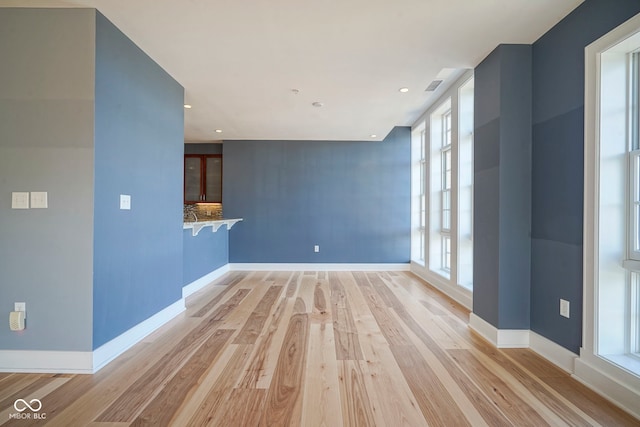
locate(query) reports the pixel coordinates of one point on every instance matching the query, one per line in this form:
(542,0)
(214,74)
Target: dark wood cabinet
(203,178)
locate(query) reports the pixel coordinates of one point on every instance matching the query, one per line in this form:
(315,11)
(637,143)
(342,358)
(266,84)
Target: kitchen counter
(196,226)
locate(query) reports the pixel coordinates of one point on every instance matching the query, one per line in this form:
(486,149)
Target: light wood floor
(315,349)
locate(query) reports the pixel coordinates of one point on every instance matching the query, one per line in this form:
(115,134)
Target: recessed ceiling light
(317,104)
(373,135)
(218,130)
(187,106)
(404,89)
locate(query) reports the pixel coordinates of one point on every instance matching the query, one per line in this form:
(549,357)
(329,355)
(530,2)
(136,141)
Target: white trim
(525,338)
(114,348)
(602,376)
(598,376)
(38,361)
(456,292)
(205,280)
(554,353)
(317,267)
(85,362)
(500,338)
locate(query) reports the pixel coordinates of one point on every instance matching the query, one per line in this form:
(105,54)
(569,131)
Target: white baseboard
(114,348)
(317,267)
(457,293)
(602,378)
(51,362)
(200,283)
(85,362)
(554,353)
(501,338)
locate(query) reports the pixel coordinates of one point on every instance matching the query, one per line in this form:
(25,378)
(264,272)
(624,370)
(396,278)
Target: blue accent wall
(205,252)
(557,165)
(350,198)
(139,141)
(502,187)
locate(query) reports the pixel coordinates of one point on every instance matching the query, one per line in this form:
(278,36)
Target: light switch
(125,201)
(19,200)
(39,200)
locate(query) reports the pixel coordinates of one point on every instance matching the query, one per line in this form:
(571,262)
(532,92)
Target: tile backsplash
(202,211)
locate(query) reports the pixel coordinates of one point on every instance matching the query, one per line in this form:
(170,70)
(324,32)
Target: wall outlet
(564,308)
(20,306)
(125,202)
(316,248)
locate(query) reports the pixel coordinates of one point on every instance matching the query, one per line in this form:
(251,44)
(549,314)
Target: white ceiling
(239,60)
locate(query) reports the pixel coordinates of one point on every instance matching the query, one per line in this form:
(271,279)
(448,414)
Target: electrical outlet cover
(564,308)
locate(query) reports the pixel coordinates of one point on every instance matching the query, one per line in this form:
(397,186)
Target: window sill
(628,362)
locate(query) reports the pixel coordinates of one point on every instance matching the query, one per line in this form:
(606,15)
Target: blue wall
(502,187)
(205,252)
(351,198)
(558,155)
(138,151)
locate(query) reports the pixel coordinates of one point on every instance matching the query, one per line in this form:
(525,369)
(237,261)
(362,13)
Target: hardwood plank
(211,402)
(254,324)
(292,286)
(534,363)
(305,293)
(414,369)
(433,308)
(32,387)
(261,365)
(55,397)
(243,408)
(599,409)
(43,394)
(551,406)
(16,384)
(319,299)
(229,282)
(98,424)
(281,278)
(164,406)
(392,332)
(117,378)
(356,406)
(421,364)
(284,399)
(437,405)
(321,403)
(392,400)
(127,406)
(440,361)
(512,405)
(346,335)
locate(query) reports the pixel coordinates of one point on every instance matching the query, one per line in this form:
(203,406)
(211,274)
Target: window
(611,339)
(442,192)
(445,210)
(465,184)
(440,189)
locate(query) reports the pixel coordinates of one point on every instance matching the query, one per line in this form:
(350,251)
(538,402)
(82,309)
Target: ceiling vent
(433,86)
